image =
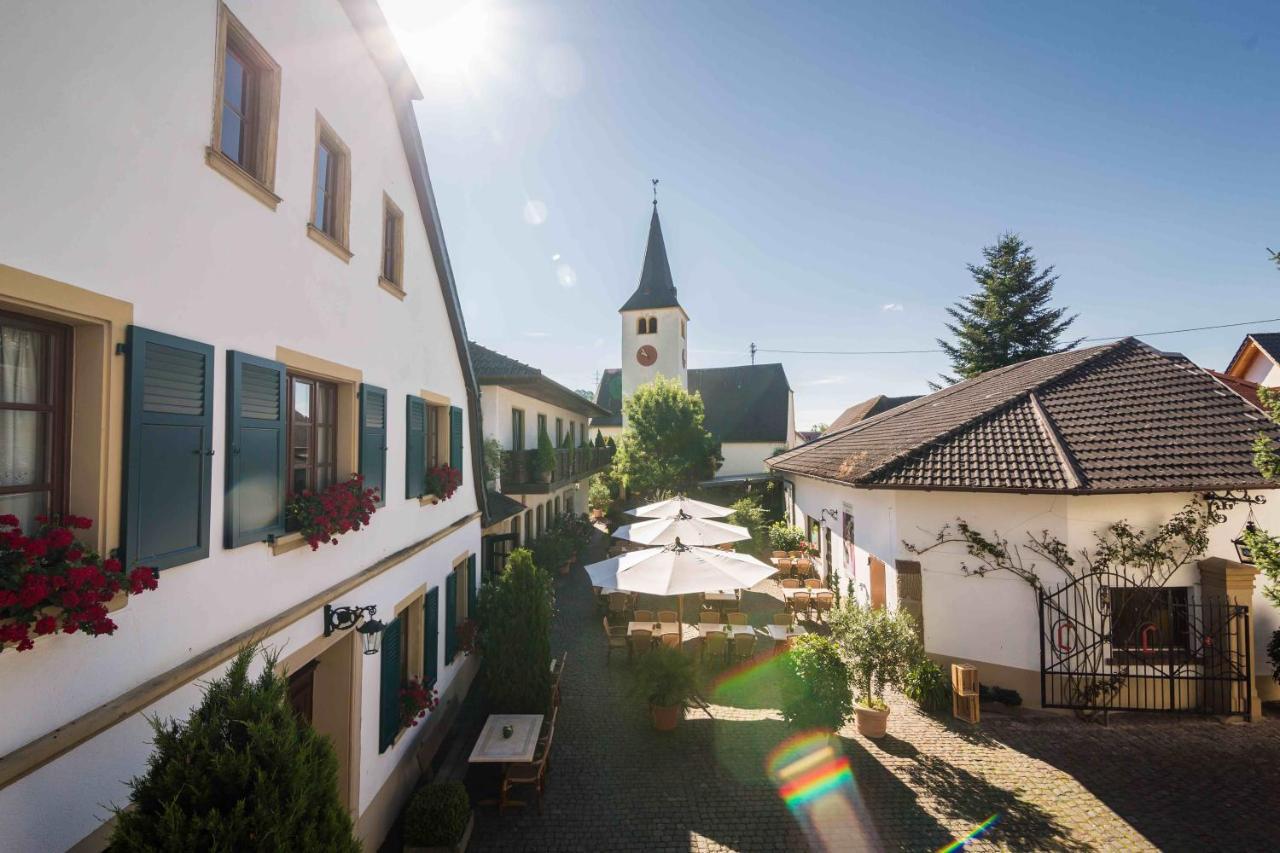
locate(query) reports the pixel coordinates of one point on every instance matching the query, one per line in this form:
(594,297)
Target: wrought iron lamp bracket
(1220,502)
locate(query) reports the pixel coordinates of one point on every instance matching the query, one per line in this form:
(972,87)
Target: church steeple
(656,289)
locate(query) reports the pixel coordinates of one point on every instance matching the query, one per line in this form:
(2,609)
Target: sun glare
(462,43)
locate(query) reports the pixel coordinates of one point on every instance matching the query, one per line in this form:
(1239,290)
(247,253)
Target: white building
(1063,445)
(517,403)
(223,280)
(1257,360)
(750,408)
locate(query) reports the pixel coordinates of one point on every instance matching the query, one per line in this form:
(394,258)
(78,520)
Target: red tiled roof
(866,409)
(1120,417)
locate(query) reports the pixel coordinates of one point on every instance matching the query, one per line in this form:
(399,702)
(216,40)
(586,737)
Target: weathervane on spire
(655,193)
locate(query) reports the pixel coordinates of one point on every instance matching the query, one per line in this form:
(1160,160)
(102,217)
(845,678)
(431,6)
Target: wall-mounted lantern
(346,618)
(1243,551)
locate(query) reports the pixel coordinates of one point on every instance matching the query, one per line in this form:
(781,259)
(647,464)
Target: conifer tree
(1008,319)
(242,773)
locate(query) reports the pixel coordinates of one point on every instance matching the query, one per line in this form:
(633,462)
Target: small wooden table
(721,595)
(779,633)
(733,630)
(812,591)
(492,748)
(663,628)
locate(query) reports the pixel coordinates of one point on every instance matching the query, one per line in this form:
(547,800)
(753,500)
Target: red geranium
(323,516)
(50,583)
(416,699)
(443,481)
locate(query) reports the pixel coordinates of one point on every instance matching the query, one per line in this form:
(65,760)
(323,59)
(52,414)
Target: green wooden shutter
(168,450)
(373,439)
(256,462)
(473,586)
(389,686)
(455,438)
(450,617)
(431,635)
(415,447)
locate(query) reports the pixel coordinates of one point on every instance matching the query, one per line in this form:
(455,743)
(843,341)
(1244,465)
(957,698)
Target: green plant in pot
(815,685)
(544,458)
(785,537)
(881,645)
(438,818)
(927,686)
(553,552)
(664,678)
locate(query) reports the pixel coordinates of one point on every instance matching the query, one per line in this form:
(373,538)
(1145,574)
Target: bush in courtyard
(785,537)
(515,644)
(437,816)
(815,684)
(748,513)
(242,773)
(881,645)
(664,677)
(552,550)
(1003,695)
(598,494)
(927,686)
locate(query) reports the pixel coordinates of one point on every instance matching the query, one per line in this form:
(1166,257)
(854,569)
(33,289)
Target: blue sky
(828,170)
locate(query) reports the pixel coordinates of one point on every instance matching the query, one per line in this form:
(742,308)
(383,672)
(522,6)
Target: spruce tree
(242,773)
(1008,319)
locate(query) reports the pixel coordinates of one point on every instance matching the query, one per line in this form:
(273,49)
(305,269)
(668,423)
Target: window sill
(391,287)
(286,543)
(339,251)
(428,500)
(223,165)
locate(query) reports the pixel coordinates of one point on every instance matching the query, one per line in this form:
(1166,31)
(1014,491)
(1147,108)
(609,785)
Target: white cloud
(537,334)
(824,380)
(535,212)
(891,306)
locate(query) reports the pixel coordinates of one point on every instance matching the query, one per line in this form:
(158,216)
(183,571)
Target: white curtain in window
(22,433)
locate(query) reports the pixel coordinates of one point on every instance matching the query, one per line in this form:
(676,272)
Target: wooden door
(302,690)
(877,582)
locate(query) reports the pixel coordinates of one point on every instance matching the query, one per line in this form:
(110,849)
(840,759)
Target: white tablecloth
(782,632)
(492,748)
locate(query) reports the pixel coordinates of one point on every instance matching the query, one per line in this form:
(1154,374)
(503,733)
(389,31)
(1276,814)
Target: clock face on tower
(646,355)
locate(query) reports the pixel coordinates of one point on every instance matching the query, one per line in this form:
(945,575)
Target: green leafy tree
(242,773)
(665,445)
(881,644)
(815,684)
(515,645)
(1263,545)
(1008,318)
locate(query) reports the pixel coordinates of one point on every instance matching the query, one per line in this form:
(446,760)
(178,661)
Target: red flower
(60,537)
(46,625)
(111,564)
(36,548)
(8,520)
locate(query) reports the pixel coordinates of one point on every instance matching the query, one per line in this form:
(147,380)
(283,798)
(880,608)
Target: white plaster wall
(875,532)
(746,457)
(107,189)
(668,341)
(1264,371)
(497,403)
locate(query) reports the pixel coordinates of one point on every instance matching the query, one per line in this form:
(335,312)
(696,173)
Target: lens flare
(977,832)
(816,782)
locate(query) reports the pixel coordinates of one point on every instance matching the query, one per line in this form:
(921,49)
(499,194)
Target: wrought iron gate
(1108,644)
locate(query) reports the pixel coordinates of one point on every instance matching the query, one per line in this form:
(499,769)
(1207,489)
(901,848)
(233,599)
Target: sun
(461,42)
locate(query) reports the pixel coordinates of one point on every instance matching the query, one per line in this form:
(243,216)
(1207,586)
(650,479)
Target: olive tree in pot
(665,679)
(438,819)
(881,645)
(815,685)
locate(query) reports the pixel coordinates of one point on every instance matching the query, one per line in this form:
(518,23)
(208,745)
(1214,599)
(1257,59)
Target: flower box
(322,516)
(442,481)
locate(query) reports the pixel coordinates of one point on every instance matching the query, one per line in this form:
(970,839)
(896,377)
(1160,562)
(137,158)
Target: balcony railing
(520,474)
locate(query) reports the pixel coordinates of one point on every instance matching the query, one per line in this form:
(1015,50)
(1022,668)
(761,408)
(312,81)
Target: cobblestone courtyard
(1056,784)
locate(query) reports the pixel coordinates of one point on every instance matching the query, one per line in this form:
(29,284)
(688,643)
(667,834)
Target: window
(246,111)
(684,332)
(434,417)
(392,277)
(312,433)
(34,358)
(517,429)
(542,426)
(1147,620)
(529,533)
(573,434)
(647,326)
(653,325)
(559,432)
(515,529)
(541,517)
(331,191)
(641,326)
(557,506)
(568,504)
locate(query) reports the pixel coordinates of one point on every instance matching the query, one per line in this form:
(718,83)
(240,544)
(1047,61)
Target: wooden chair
(782,619)
(617,635)
(671,640)
(555,681)
(549,725)
(744,646)
(803,568)
(800,603)
(619,603)
(667,616)
(823,602)
(714,646)
(813,583)
(778,555)
(783,565)
(533,774)
(737,618)
(795,555)
(790,583)
(642,616)
(641,642)
(710,617)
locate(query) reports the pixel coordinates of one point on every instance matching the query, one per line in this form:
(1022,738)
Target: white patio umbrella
(679,569)
(690,531)
(680,505)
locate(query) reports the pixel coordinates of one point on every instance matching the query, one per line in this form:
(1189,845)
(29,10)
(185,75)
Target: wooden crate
(964,692)
(964,707)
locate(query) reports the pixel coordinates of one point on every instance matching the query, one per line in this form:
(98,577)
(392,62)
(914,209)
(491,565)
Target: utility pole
(753,352)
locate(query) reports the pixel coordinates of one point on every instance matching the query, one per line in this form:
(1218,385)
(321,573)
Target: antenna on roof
(655,193)
(753,352)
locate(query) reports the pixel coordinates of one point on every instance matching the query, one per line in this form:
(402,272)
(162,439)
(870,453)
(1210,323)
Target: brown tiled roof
(1243,387)
(1120,417)
(867,409)
(1266,342)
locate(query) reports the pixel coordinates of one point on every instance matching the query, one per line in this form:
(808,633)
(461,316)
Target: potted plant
(785,537)
(598,497)
(815,685)
(324,515)
(553,550)
(438,819)
(665,679)
(927,686)
(544,458)
(442,481)
(416,700)
(881,645)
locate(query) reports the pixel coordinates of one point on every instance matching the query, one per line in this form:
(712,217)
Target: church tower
(655,338)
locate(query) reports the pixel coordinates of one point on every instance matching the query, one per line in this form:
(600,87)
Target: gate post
(1231,583)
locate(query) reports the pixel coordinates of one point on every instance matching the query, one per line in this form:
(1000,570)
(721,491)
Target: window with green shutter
(373,439)
(473,586)
(256,467)
(455,438)
(168,450)
(389,685)
(431,636)
(415,446)
(450,617)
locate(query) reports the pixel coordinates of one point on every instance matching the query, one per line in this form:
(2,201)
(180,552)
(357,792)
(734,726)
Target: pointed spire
(656,288)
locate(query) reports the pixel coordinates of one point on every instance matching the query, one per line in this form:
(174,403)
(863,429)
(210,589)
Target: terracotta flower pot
(872,722)
(665,717)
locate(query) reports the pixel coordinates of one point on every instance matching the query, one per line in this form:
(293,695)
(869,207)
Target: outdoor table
(663,628)
(492,748)
(733,630)
(812,591)
(721,595)
(780,633)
